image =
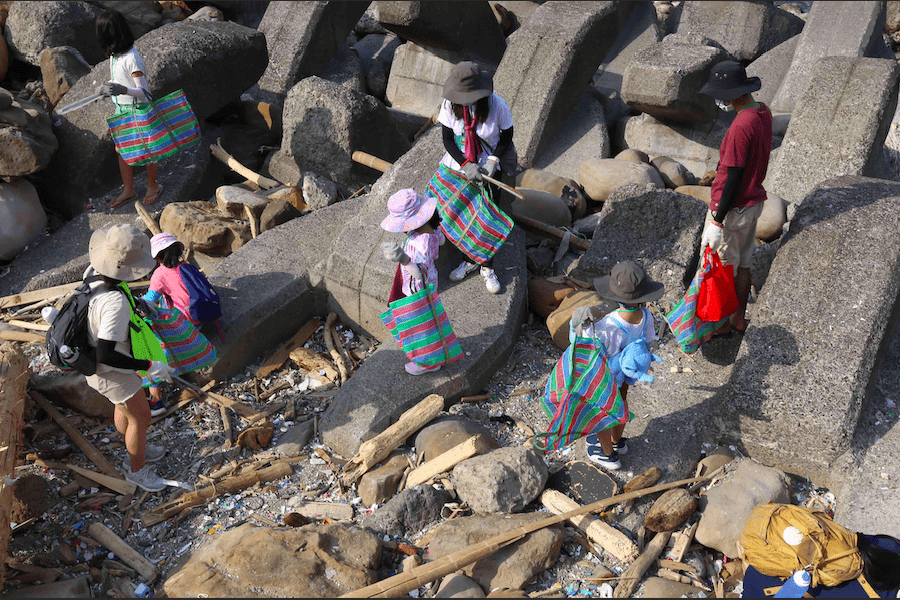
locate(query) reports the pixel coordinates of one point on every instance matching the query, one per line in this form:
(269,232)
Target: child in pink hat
(417,216)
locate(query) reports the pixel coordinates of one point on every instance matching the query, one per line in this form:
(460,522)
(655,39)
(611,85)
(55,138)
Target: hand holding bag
(718,298)
(689,329)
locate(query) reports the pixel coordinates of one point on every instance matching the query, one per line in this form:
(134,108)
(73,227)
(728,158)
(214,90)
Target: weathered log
(226,426)
(324,510)
(219,152)
(115,484)
(443,462)
(29,325)
(645,479)
(609,538)
(13,381)
(277,359)
(529,223)
(372,452)
(147,218)
(683,541)
(331,342)
(52,292)
(632,577)
(129,555)
(312,361)
(671,510)
(21,336)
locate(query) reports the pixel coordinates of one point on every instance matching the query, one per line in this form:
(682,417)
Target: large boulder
(664,78)
(32,26)
(542,206)
(445,433)
(212,62)
(745,29)
(547,64)
(801,346)
(660,230)
(302,38)
(505,480)
(863,91)
(22,218)
(200,224)
(313,561)
(462,26)
(601,177)
(141,17)
(376,53)
(325,123)
(60,69)
(27,142)
(408,512)
(840,29)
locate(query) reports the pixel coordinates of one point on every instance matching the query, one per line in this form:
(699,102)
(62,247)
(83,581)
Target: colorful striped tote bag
(186,348)
(148,132)
(468,219)
(422,329)
(581,396)
(690,331)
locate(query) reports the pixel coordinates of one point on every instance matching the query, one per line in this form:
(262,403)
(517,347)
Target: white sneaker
(490,280)
(151,455)
(460,272)
(417,369)
(146,479)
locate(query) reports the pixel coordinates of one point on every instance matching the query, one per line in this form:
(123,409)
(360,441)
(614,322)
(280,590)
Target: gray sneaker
(151,455)
(146,479)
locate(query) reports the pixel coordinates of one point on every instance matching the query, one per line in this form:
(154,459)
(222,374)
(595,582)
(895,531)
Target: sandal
(114,204)
(151,197)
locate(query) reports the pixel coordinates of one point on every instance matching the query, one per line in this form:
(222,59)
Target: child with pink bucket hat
(417,216)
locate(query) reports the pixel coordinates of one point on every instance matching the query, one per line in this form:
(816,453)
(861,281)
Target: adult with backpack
(122,253)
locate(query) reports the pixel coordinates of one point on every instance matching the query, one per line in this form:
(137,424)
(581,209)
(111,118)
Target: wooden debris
(444,462)
(21,336)
(115,484)
(95,456)
(219,152)
(632,577)
(332,511)
(283,353)
(673,576)
(14,373)
(372,452)
(129,555)
(268,521)
(606,536)
(257,437)
(671,510)
(254,228)
(476,398)
(313,362)
(534,224)
(229,485)
(332,342)
(226,427)
(243,410)
(29,325)
(675,565)
(683,540)
(281,385)
(95,501)
(645,479)
(148,220)
(53,293)
(368,160)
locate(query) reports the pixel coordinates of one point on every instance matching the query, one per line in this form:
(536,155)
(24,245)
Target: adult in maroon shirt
(737,192)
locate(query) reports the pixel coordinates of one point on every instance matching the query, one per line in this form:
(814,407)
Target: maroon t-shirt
(747,144)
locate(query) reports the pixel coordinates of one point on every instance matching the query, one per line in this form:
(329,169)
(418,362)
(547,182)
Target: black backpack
(70,328)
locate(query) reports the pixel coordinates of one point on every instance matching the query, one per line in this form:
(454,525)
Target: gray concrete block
(580,138)
(772,67)
(664,79)
(845,29)
(745,29)
(660,230)
(807,359)
(695,145)
(302,38)
(547,65)
(839,125)
(417,76)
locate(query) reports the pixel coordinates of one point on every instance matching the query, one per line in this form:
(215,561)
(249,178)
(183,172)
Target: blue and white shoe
(596,454)
(621,447)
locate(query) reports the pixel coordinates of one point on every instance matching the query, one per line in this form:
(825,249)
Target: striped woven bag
(422,329)
(689,330)
(581,396)
(152,131)
(473,223)
(186,348)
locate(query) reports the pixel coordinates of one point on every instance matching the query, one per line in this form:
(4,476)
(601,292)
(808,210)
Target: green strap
(748,106)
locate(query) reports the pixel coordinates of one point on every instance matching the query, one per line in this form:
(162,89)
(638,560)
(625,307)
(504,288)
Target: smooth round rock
(633,155)
(700,192)
(567,189)
(542,206)
(673,173)
(772,219)
(601,176)
(22,218)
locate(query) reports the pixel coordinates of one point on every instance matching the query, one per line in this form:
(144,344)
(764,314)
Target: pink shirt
(422,249)
(168,282)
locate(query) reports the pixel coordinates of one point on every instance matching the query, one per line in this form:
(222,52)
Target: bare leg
(132,420)
(152,185)
(605,438)
(742,287)
(127,173)
(155,393)
(618,430)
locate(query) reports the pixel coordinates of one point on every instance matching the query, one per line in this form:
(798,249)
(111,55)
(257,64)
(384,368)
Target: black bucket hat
(468,82)
(627,283)
(728,80)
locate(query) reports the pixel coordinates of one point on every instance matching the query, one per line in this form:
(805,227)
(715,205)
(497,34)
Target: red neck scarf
(471,148)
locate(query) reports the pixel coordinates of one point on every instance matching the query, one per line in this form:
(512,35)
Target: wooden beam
(14,373)
(632,577)
(117,485)
(149,221)
(52,292)
(598,532)
(283,353)
(129,555)
(21,336)
(443,462)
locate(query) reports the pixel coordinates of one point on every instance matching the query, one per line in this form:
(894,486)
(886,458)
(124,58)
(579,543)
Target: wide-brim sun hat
(121,252)
(728,80)
(468,83)
(409,210)
(627,283)
(160,242)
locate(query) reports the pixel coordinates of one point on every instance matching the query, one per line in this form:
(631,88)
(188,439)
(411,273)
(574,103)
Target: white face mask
(723,106)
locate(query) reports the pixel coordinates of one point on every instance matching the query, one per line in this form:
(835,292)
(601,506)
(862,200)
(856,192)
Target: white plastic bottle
(795,587)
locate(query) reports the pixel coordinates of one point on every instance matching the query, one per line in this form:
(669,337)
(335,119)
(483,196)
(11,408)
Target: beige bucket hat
(121,252)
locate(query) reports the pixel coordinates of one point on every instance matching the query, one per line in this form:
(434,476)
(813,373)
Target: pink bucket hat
(160,242)
(408,210)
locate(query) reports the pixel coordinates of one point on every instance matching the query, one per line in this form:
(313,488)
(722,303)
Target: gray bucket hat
(468,82)
(627,283)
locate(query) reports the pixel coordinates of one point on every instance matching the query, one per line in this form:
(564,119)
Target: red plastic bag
(717,298)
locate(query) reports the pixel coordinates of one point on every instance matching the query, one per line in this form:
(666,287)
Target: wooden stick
(129,555)
(245,411)
(684,540)
(36,305)
(229,485)
(254,229)
(14,373)
(372,452)
(115,484)
(645,479)
(226,426)
(404,582)
(370,161)
(54,292)
(29,325)
(95,456)
(444,462)
(503,186)
(606,536)
(673,576)
(277,359)
(476,398)
(219,152)
(632,577)
(147,218)
(530,223)
(21,336)
(313,362)
(336,356)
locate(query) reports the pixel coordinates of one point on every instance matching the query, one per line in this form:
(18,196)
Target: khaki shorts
(739,235)
(117,385)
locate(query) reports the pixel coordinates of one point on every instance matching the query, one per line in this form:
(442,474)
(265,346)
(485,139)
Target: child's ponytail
(171,255)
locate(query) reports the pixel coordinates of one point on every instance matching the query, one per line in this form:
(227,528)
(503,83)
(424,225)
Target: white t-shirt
(121,67)
(499,118)
(613,338)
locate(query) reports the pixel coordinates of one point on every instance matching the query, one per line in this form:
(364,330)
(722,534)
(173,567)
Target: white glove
(491,166)
(473,172)
(415,271)
(712,236)
(393,252)
(582,317)
(160,371)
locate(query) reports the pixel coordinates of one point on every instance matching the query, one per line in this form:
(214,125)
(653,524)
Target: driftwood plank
(283,353)
(13,381)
